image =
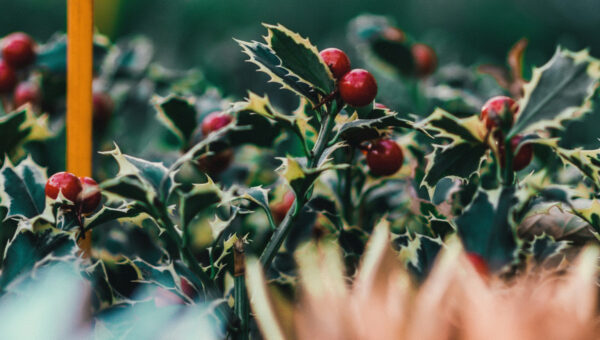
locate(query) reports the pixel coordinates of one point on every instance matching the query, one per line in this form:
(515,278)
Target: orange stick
(80,31)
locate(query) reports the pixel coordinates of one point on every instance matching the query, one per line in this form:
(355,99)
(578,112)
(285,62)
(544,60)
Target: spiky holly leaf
(463,155)
(544,247)
(29,249)
(458,161)
(291,61)
(299,177)
(485,229)
(107,214)
(354,130)
(139,179)
(52,56)
(21,126)
(419,254)
(196,199)
(257,195)
(558,91)
(445,125)
(22,188)
(299,56)
(178,114)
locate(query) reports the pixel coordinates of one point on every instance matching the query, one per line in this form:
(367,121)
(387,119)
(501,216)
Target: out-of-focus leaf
(178,115)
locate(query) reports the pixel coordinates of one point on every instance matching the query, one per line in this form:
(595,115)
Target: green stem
(347,194)
(268,254)
(240,307)
(508,175)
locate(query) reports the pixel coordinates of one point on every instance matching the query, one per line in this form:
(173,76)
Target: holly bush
(200,192)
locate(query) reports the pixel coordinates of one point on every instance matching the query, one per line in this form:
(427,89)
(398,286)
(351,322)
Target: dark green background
(198,32)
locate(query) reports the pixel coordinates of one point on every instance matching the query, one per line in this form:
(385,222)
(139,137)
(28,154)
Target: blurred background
(198,33)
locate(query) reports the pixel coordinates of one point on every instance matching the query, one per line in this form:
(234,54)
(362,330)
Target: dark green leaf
(22,189)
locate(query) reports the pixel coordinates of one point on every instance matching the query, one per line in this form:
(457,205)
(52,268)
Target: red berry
(522,159)
(494,108)
(337,60)
(384,157)
(217,163)
(280,209)
(8,77)
(103,108)
(26,93)
(64,182)
(424,58)
(479,264)
(18,50)
(215,121)
(90,195)
(358,87)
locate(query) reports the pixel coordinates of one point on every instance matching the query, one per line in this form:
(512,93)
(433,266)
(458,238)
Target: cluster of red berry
(83,192)
(493,114)
(220,161)
(358,88)
(18,53)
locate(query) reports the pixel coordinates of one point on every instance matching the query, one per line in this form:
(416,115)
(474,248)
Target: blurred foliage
(198,32)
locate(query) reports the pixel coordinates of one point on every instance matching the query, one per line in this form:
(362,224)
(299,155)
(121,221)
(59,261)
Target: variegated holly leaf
(485,229)
(140,180)
(558,91)
(263,107)
(445,125)
(29,249)
(301,178)
(20,126)
(291,61)
(464,153)
(107,214)
(354,130)
(457,161)
(419,253)
(257,195)
(545,247)
(178,114)
(198,198)
(22,189)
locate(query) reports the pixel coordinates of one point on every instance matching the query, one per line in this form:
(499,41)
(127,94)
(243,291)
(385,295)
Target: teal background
(199,33)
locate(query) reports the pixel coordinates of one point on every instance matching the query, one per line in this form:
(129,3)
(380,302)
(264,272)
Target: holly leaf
(300,57)
(420,253)
(291,61)
(22,188)
(354,130)
(139,179)
(456,161)
(178,114)
(560,90)
(19,127)
(28,250)
(299,177)
(485,229)
(444,125)
(107,214)
(198,198)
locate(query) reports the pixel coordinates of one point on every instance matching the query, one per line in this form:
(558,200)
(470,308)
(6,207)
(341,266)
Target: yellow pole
(80,31)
